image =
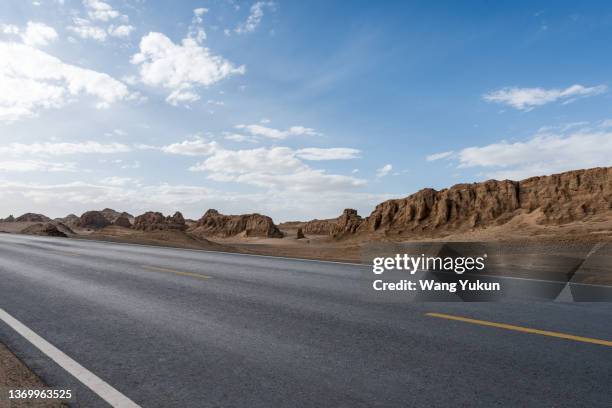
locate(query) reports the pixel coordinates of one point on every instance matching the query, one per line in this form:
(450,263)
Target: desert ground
(15,375)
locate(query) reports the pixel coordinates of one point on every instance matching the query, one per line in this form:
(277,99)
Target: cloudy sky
(293,109)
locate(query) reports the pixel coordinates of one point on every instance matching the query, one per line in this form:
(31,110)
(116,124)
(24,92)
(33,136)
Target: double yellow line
(522,329)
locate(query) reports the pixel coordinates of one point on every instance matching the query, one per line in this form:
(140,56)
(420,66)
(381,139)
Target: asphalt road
(180,328)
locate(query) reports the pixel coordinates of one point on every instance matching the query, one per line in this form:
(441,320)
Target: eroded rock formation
(93,220)
(214,223)
(151,221)
(45,229)
(319,227)
(31,217)
(123,221)
(562,198)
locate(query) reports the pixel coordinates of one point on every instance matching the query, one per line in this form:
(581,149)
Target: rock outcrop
(151,221)
(348,223)
(31,217)
(112,215)
(71,220)
(214,223)
(10,218)
(46,229)
(319,227)
(300,234)
(562,198)
(570,196)
(93,220)
(123,221)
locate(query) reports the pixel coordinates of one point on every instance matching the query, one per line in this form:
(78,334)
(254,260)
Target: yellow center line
(522,329)
(168,270)
(64,253)
(51,251)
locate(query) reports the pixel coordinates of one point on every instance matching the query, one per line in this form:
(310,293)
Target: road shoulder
(14,374)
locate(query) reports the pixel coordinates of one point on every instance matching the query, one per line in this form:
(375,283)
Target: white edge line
(93,382)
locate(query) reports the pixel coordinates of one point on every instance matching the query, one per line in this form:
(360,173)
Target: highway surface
(164,327)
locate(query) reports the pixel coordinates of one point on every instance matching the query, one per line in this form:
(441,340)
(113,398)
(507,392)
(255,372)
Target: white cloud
(34,34)
(182,97)
(121,31)
(439,156)
(384,170)
(237,137)
(256,13)
(101,11)
(32,80)
(198,147)
(35,165)
(116,181)
(541,154)
(180,67)
(334,153)
(62,148)
(10,29)
(196,31)
(131,165)
(273,168)
(529,98)
(85,30)
(564,127)
(103,21)
(38,34)
(271,133)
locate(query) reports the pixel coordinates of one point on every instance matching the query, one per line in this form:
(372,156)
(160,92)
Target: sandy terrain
(165,238)
(14,227)
(15,375)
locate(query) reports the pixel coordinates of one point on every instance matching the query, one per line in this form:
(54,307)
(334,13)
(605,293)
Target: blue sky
(293,109)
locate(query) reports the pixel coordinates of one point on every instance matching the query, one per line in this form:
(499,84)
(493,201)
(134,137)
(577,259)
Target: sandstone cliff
(93,220)
(561,198)
(70,220)
(214,223)
(31,217)
(46,229)
(122,221)
(151,221)
(112,215)
(348,223)
(318,227)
